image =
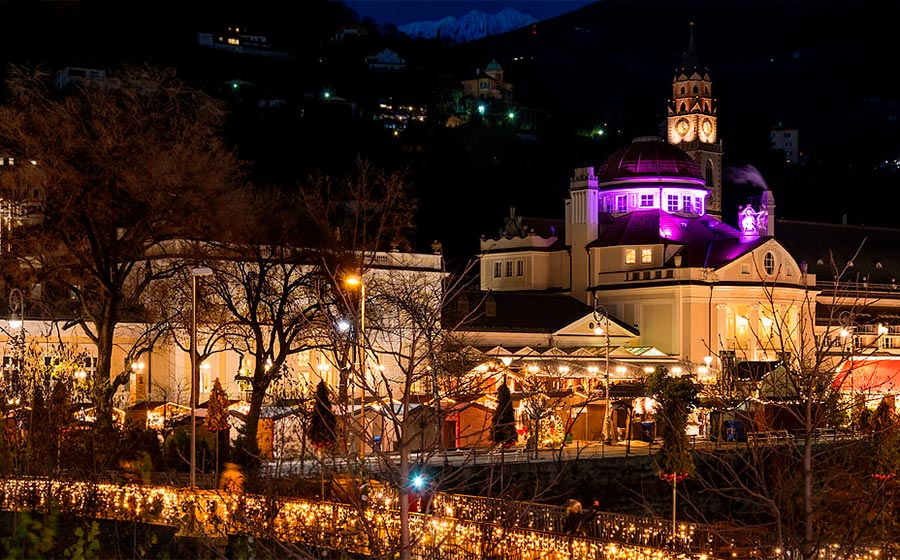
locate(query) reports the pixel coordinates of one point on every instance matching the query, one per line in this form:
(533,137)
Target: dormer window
(646,256)
(769,263)
(672,203)
(630,256)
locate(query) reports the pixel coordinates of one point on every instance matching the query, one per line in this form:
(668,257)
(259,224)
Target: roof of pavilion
(707,241)
(525,311)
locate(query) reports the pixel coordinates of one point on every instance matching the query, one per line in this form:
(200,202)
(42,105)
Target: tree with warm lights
(217,415)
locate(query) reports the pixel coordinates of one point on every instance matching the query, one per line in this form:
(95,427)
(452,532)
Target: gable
(770,263)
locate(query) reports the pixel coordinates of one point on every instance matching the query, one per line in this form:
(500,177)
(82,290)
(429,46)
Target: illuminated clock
(706,126)
(682,127)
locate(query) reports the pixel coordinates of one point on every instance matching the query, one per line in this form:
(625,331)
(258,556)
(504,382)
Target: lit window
(630,256)
(769,263)
(622,203)
(233,41)
(646,200)
(672,203)
(520,267)
(646,256)
(498,269)
(508,268)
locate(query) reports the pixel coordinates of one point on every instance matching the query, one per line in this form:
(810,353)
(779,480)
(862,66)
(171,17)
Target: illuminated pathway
(461,527)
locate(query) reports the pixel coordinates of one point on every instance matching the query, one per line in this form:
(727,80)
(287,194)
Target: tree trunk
(808,533)
(102,390)
(251,423)
(404,502)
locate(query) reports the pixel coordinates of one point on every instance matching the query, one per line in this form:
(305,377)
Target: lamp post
(598,330)
(358,281)
(195,272)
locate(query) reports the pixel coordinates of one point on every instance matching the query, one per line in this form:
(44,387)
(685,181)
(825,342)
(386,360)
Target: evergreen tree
(322,426)
(677,396)
(886,441)
(503,424)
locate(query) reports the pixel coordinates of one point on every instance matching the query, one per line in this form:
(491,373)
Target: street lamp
(358,281)
(195,272)
(598,330)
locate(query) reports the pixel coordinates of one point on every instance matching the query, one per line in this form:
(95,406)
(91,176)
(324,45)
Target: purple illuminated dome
(648,156)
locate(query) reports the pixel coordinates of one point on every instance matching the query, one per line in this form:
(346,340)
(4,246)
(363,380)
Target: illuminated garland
(339,526)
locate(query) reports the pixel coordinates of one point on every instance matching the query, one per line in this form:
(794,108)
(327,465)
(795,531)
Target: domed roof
(648,156)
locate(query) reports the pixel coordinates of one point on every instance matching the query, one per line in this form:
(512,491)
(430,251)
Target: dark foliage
(322,424)
(503,423)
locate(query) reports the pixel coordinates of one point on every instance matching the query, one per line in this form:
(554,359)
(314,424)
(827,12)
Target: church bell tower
(691,123)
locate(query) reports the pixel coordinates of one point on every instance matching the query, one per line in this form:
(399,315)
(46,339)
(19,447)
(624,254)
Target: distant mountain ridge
(472,26)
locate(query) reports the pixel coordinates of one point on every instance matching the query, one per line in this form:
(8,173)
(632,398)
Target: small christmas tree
(322,425)
(217,415)
(503,424)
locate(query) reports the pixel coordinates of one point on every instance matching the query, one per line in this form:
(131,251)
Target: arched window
(683,108)
(705,90)
(708,173)
(682,89)
(696,90)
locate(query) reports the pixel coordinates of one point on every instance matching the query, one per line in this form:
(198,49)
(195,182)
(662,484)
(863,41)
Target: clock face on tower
(682,127)
(706,126)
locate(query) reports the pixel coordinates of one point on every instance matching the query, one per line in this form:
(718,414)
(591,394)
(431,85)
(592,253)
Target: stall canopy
(880,375)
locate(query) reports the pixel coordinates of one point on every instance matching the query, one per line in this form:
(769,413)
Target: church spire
(691,122)
(690,61)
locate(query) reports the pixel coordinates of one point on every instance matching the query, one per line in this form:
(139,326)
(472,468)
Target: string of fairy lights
(455,530)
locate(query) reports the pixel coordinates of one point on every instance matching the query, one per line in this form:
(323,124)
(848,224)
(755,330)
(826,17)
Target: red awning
(862,374)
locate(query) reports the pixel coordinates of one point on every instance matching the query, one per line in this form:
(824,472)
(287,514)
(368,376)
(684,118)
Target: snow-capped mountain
(469,27)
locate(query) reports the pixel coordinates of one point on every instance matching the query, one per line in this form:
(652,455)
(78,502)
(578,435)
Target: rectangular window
(646,256)
(745,269)
(609,204)
(622,203)
(520,267)
(498,269)
(508,269)
(630,256)
(686,203)
(672,203)
(646,200)
(698,205)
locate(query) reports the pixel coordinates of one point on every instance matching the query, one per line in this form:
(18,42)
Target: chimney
(768,204)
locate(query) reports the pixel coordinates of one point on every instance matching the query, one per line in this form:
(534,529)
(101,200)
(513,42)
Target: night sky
(400,12)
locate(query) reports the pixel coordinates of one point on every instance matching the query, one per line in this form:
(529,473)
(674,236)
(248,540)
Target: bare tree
(110,174)
(790,477)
